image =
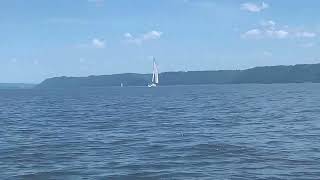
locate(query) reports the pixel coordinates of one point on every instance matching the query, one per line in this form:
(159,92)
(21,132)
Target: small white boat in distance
(155,75)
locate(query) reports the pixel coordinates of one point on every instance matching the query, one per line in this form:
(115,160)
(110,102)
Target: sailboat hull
(152,85)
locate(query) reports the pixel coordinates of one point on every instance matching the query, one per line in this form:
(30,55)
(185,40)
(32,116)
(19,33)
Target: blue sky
(45,38)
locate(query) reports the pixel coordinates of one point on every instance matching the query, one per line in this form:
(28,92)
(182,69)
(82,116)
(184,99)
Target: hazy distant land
(260,75)
(16,86)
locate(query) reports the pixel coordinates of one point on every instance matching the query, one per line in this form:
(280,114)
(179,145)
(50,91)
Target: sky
(41,39)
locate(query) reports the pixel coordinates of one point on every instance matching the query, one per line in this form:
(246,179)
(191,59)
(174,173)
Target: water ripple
(182,132)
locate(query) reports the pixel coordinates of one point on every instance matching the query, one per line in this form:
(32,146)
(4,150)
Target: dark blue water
(183,132)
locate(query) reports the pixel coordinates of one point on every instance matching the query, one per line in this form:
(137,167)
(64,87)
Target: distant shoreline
(17,86)
(301,73)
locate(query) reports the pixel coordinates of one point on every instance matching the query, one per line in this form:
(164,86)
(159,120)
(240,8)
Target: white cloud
(152,35)
(128,35)
(279,34)
(94,43)
(269,23)
(252,7)
(270,31)
(305,34)
(253,33)
(97,43)
(265,33)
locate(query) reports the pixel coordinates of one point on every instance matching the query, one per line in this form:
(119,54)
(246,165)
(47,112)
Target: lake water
(182,132)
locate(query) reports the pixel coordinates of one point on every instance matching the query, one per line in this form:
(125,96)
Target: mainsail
(155,73)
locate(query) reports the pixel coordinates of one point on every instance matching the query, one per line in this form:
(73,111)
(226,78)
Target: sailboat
(155,75)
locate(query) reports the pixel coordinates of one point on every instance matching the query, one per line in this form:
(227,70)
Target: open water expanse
(178,132)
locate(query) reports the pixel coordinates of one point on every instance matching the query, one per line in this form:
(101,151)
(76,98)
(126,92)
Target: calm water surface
(183,132)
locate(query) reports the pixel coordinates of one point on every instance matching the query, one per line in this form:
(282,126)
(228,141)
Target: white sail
(155,72)
(155,75)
